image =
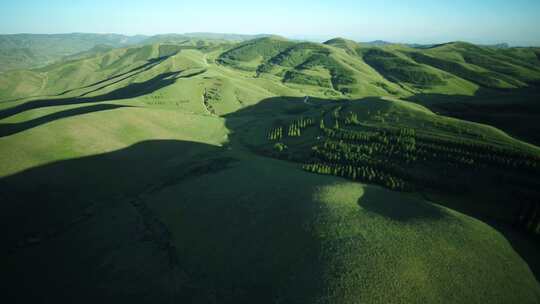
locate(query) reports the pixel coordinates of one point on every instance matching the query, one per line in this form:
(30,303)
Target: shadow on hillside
(14,128)
(130,91)
(135,71)
(515,111)
(276,106)
(401,208)
(54,189)
(526,245)
(80,230)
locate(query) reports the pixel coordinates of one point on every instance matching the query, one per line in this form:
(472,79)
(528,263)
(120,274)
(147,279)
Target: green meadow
(239,169)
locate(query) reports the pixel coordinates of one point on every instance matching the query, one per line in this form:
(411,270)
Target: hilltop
(457,78)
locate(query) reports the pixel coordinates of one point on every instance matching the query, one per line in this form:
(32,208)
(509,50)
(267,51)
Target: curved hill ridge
(343,66)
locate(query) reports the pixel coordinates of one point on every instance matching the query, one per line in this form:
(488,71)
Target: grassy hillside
(488,67)
(268,171)
(348,45)
(318,68)
(96,72)
(31,50)
(399,70)
(210,38)
(358,70)
(23,51)
(249,55)
(338,68)
(185,212)
(401,146)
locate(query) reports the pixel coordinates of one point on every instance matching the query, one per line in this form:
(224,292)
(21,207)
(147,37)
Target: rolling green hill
(348,45)
(203,37)
(488,67)
(400,70)
(21,51)
(272,171)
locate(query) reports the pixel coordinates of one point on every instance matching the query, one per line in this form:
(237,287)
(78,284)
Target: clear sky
(424,21)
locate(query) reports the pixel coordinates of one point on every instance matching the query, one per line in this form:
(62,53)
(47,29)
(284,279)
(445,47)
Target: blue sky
(481,21)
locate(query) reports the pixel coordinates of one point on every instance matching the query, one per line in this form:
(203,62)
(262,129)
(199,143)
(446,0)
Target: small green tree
(280,147)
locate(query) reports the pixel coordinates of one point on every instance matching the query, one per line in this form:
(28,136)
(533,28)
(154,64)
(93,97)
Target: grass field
(178,171)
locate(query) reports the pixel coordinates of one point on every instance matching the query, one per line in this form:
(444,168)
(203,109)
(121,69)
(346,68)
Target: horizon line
(304,37)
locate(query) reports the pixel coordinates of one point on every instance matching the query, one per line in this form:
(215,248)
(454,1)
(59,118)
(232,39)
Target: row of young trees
(479,153)
(350,135)
(501,155)
(361,173)
(428,147)
(389,152)
(361,155)
(351,118)
(344,152)
(275,134)
(296,127)
(395,157)
(401,145)
(294,130)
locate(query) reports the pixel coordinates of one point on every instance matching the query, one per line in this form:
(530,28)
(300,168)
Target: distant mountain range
(22,51)
(423,46)
(340,66)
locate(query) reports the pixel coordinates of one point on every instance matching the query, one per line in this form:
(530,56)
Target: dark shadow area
(80,230)
(498,214)
(83,230)
(52,190)
(130,91)
(285,105)
(14,128)
(142,68)
(401,208)
(515,111)
(525,244)
(135,71)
